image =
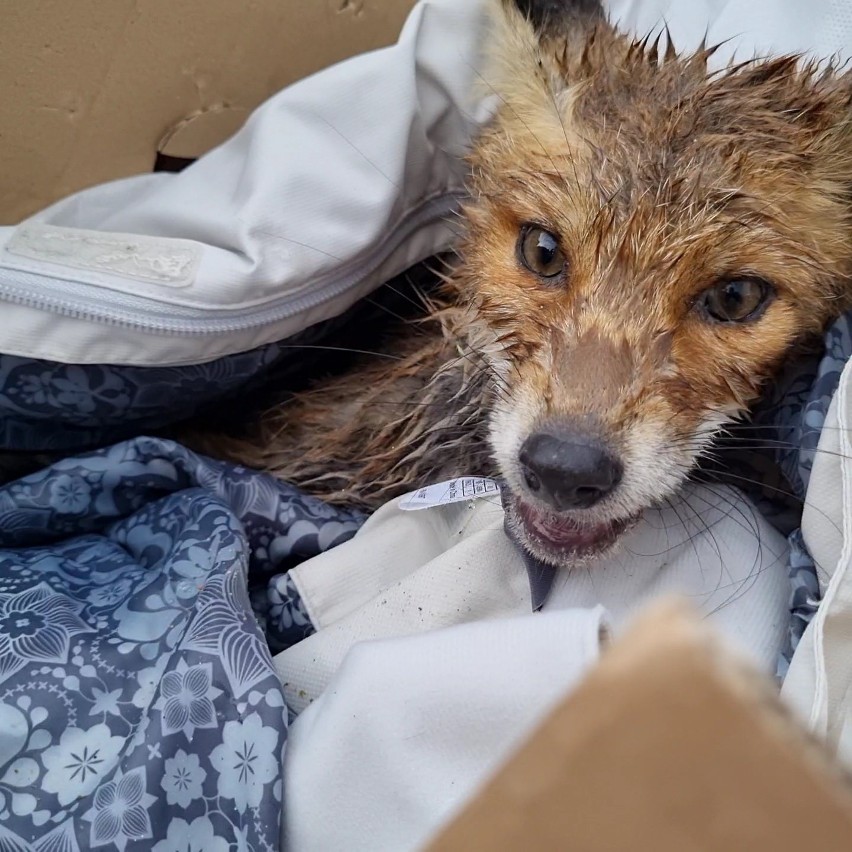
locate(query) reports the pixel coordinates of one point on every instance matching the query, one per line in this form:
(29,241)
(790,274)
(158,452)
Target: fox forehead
(659,179)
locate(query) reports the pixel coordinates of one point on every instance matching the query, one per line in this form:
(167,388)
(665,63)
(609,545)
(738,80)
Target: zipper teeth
(118,319)
(430,212)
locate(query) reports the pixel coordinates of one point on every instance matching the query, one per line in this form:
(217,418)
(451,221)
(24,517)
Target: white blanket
(409,572)
(411,726)
(401,731)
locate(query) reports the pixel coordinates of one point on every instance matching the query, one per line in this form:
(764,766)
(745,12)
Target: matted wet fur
(659,186)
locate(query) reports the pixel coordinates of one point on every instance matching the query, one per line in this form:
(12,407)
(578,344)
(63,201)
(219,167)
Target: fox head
(646,243)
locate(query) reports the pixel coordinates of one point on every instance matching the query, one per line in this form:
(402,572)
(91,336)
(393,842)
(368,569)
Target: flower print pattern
(36,626)
(226,627)
(60,839)
(73,390)
(288,619)
(70,494)
(247,761)
(131,654)
(46,406)
(105,702)
(184,779)
(195,836)
(120,811)
(110,594)
(33,388)
(187,699)
(81,760)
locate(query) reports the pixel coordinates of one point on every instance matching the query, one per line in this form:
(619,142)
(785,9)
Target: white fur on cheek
(655,466)
(656,463)
(512,419)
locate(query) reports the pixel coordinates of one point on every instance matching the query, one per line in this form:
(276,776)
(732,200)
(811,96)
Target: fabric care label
(453,491)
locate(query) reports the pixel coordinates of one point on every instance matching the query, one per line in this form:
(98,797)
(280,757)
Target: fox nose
(571,472)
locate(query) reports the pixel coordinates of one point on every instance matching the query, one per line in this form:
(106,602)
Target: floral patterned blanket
(139,708)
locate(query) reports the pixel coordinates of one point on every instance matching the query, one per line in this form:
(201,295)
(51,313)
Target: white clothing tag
(453,491)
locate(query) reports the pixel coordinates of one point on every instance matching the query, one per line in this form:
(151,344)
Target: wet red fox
(645,243)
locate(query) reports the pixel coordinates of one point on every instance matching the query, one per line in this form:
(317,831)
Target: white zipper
(82,301)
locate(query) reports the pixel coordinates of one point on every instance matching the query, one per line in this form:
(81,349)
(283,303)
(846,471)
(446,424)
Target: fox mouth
(559,539)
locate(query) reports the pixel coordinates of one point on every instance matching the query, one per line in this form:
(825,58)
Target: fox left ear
(550,17)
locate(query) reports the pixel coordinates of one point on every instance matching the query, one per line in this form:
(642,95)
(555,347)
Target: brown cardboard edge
(667,698)
(95,91)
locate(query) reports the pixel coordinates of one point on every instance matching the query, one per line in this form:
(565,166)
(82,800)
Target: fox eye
(539,252)
(735,299)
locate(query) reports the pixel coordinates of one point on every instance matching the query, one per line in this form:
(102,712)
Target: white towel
(408,572)
(400,730)
(411,726)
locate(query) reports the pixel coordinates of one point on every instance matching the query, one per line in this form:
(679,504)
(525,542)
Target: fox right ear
(536,52)
(550,17)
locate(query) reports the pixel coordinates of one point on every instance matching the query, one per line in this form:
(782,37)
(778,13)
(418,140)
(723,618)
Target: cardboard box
(670,745)
(93,90)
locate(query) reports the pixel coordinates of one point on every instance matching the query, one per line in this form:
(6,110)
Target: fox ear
(552,17)
(537,52)
(553,33)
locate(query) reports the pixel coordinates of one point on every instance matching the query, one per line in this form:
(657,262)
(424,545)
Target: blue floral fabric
(788,429)
(800,413)
(101,404)
(139,708)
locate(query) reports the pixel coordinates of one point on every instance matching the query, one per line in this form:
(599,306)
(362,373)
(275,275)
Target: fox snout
(568,468)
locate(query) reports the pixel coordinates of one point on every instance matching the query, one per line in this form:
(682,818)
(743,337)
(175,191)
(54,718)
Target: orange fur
(659,179)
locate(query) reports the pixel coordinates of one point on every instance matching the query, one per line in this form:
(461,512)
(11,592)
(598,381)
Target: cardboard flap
(89,90)
(669,745)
